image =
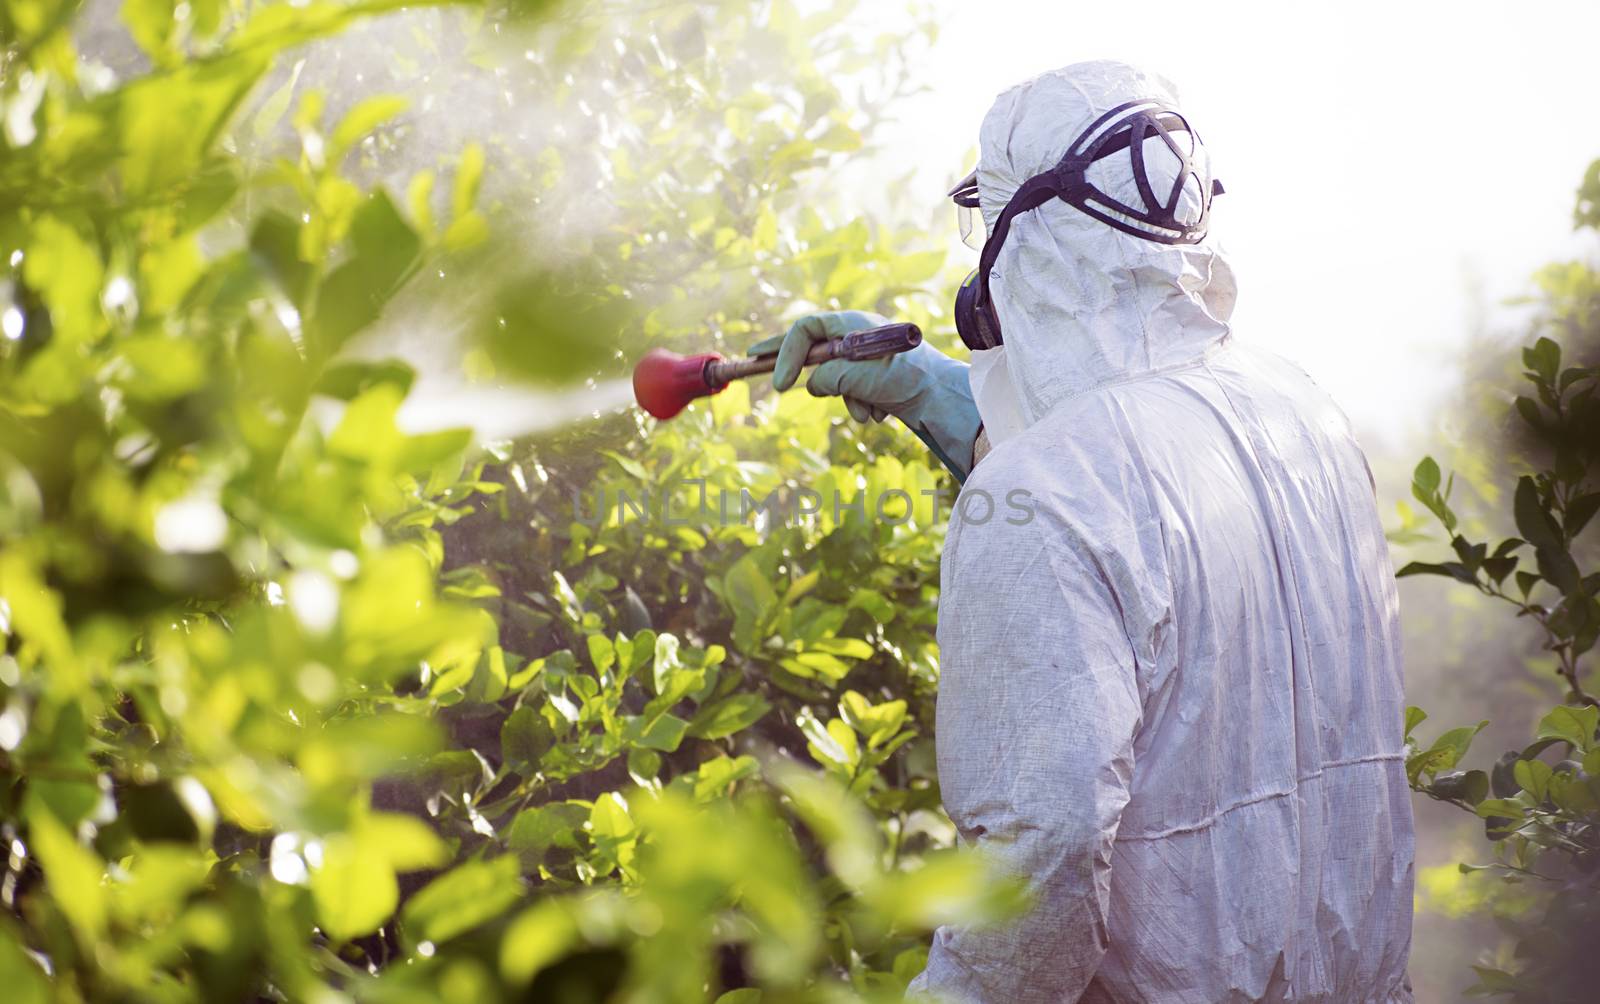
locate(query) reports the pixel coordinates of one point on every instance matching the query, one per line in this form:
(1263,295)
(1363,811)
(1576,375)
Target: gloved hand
(924,388)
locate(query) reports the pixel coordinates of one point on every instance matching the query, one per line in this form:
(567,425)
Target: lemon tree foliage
(1540,804)
(296,705)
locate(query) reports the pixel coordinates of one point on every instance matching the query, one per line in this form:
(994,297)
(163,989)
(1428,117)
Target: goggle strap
(1034,193)
(965,194)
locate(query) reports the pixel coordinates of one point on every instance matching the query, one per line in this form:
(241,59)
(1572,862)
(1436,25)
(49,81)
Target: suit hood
(1082,304)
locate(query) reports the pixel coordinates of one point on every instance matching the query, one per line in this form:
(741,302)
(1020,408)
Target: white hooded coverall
(1171,700)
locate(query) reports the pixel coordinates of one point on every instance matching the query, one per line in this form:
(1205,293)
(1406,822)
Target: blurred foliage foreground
(308,710)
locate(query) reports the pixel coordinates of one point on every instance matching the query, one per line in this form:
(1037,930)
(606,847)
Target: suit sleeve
(1038,708)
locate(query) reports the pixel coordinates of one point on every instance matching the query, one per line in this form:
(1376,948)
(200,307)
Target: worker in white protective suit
(1171,700)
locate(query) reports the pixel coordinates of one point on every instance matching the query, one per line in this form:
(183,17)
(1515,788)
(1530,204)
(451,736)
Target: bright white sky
(1391,167)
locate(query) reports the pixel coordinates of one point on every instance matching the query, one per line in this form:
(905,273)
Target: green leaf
(843,824)
(405,842)
(348,379)
(1444,754)
(1557,567)
(1505,808)
(151,24)
(1533,519)
(366,116)
(418,454)
(801,586)
(384,250)
(1543,358)
(461,899)
(633,468)
(489,680)
(1457,741)
(681,682)
(1414,716)
(643,764)
(1534,777)
(1573,794)
(466,231)
(1572,376)
(22,975)
(1528,408)
(275,247)
(602,653)
(715,775)
(419,200)
(1580,511)
(877,722)
(65,269)
(276,105)
(1498,568)
(751,597)
(1452,569)
(555,328)
(367,429)
(1572,725)
(1426,476)
(874,603)
(537,830)
(69,801)
(667,665)
(833,745)
(643,648)
(519,679)
(947,888)
(469,174)
(1471,555)
(727,717)
(849,648)
(535,939)
(167,123)
(1494,982)
(354,888)
(307,116)
(72,874)
(609,818)
(1508,545)
(525,738)
(664,733)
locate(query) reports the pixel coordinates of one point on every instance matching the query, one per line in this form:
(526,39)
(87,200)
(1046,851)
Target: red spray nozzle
(664,382)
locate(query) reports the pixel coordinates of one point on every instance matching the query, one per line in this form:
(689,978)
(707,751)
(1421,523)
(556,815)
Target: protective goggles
(1124,128)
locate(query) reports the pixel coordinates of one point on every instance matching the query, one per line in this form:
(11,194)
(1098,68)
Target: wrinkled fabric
(1170,695)
(996,397)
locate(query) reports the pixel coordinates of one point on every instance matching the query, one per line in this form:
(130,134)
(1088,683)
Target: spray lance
(664,382)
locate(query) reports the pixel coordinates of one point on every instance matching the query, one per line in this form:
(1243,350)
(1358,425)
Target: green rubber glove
(924,388)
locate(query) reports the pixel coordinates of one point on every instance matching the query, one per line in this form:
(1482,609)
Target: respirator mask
(1124,129)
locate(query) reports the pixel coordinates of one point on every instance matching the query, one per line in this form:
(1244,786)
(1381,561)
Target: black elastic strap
(1035,192)
(1121,140)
